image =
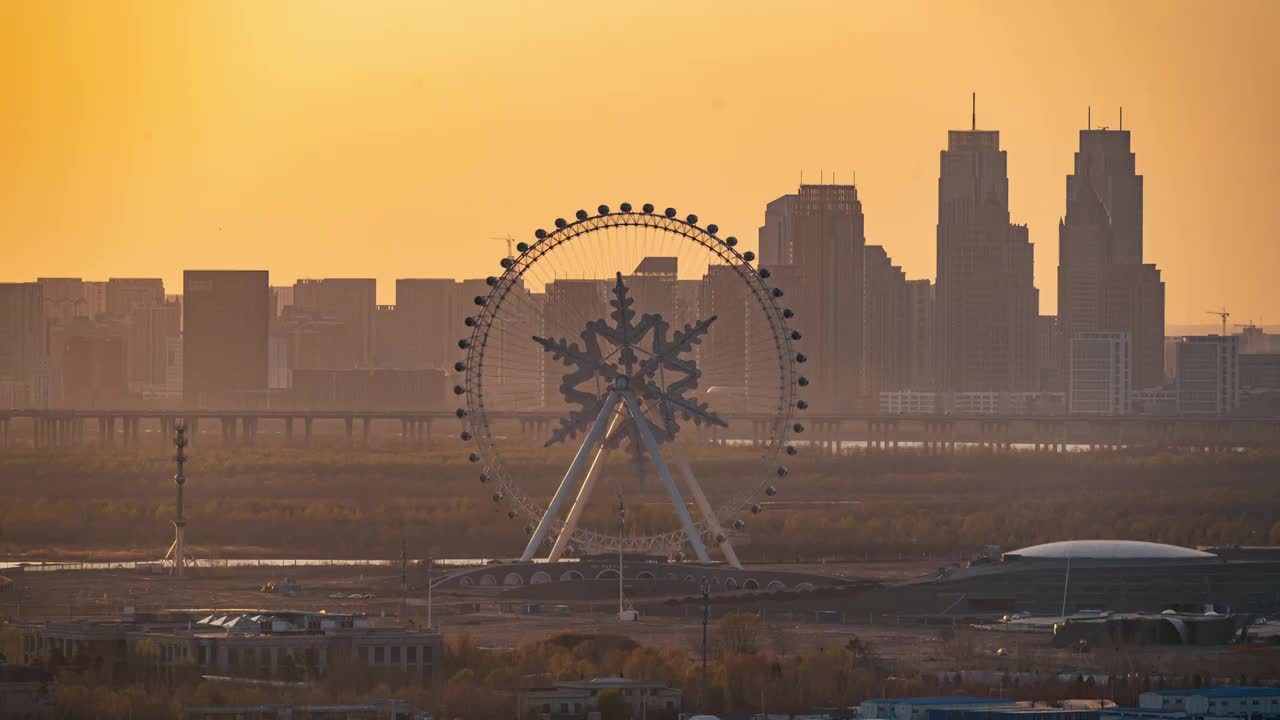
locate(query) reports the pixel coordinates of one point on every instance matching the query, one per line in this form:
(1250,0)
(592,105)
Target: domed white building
(1106,550)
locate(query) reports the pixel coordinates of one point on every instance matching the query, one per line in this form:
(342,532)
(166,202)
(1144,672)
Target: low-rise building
(26,693)
(918,708)
(577,700)
(908,402)
(371,710)
(1216,701)
(266,644)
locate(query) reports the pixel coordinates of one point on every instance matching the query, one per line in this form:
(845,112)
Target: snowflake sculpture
(629,364)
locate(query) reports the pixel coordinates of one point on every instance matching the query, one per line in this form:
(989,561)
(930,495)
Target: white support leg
(584,493)
(664,472)
(704,507)
(588,444)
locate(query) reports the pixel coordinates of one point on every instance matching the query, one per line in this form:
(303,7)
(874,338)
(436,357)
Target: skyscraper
(818,234)
(1103,285)
(226,325)
(986,297)
(884,324)
(920,361)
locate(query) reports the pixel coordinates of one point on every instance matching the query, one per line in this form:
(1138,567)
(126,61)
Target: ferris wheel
(655,356)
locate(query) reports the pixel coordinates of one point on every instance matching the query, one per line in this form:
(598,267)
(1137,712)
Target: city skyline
(148,160)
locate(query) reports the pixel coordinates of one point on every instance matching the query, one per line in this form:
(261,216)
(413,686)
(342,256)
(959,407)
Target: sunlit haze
(393,139)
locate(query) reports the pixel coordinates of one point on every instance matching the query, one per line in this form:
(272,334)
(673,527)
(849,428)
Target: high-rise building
(1208,374)
(95,298)
(281,298)
(64,299)
(1103,284)
(149,330)
(569,305)
(722,354)
(1050,354)
(226,322)
(427,327)
(23,332)
(885,328)
(125,294)
(1100,374)
(95,366)
(351,302)
(920,361)
(818,232)
(987,302)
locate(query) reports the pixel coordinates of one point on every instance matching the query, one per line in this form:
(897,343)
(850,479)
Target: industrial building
(918,708)
(263,644)
(1217,701)
(577,700)
(1064,578)
(370,710)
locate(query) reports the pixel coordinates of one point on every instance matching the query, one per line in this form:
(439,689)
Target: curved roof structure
(1108,550)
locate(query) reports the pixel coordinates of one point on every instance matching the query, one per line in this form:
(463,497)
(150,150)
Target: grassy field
(360,503)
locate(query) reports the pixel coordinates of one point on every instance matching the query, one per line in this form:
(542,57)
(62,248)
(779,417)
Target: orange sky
(391,139)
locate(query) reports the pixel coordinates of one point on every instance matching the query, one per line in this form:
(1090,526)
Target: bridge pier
(347,423)
(364,431)
(6,433)
(288,431)
(250,430)
(833,437)
(306,431)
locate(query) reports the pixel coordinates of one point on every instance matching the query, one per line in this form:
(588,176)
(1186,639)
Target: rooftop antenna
(974,116)
(179,522)
(1122,117)
(1090,122)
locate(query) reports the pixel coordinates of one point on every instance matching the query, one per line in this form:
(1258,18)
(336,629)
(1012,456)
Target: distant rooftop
(945,700)
(658,266)
(1222,691)
(1107,550)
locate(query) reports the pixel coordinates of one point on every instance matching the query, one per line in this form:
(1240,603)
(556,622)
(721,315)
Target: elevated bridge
(131,428)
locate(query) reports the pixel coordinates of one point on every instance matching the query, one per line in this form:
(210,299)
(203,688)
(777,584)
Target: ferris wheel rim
(474,417)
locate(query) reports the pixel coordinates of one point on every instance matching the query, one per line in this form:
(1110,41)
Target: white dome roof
(1108,550)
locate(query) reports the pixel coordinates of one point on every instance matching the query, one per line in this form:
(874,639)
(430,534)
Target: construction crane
(510,243)
(1223,314)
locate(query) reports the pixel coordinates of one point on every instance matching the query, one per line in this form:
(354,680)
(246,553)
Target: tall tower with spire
(1103,283)
(986,300)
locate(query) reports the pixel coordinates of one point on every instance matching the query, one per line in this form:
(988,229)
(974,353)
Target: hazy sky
(391,139)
